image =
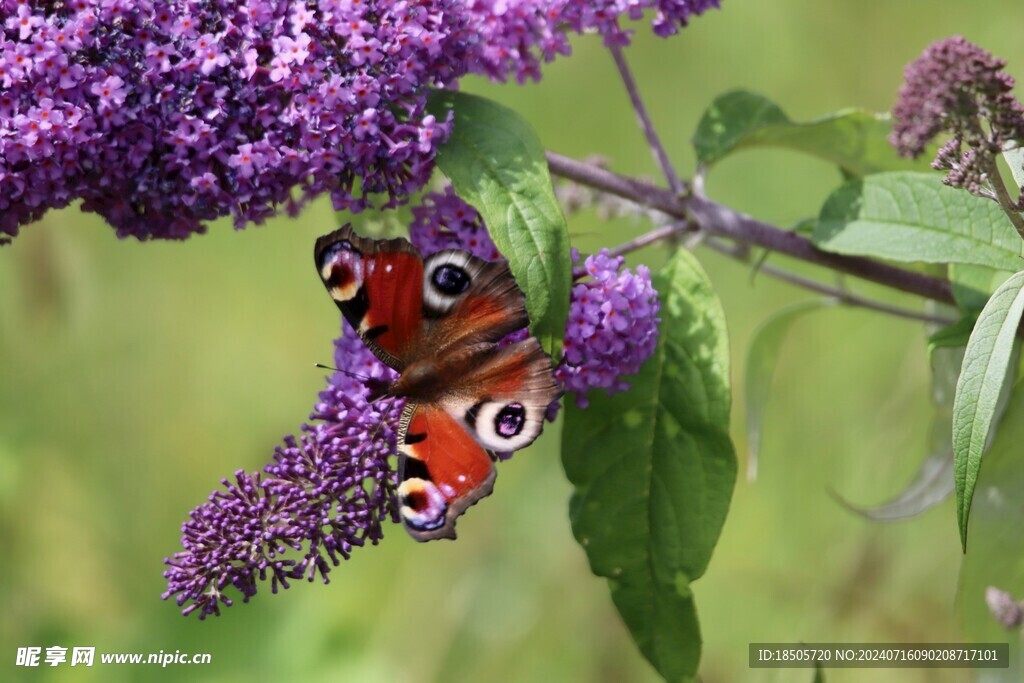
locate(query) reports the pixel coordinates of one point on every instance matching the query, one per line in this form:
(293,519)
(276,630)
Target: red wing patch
(441,471)
(378,285)
(394,288)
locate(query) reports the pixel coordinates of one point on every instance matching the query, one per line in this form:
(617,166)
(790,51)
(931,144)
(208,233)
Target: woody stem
(721,221)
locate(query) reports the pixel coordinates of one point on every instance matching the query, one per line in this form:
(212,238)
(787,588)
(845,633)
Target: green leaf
(854,140)
(1015,160)
(953,336)
(996,554)
(496,163)
(654,469)
(977,391)
(914,217)
(761,357)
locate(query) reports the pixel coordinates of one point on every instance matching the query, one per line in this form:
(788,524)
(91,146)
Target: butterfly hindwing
(378,285)
(441,471)
(504,396)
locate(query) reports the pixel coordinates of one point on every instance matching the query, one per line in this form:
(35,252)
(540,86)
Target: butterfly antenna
(353,375)
(370,381)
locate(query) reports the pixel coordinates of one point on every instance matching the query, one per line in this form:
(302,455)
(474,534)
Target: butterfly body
(438,321)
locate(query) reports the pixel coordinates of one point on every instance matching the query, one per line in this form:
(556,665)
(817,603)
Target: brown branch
(721,221)
(740,253)
(644,119)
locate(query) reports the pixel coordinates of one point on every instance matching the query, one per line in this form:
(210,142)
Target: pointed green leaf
(761,358)
(977,391)
(854,140)
(914,217)
(654,470)
(995,556)
(496,163)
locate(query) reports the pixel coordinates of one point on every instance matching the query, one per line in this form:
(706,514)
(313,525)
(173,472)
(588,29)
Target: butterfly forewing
(467,300)
(378,285)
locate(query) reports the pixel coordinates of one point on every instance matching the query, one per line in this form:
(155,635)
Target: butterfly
(437,321)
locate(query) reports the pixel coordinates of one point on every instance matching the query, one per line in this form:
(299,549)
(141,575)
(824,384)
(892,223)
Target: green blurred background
(134,376)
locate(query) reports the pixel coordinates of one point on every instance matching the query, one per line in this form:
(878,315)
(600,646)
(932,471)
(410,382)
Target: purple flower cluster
(612,328)
(517,36)
(160,116)
(613,312)
(325,493)
(443,221)
(958,88)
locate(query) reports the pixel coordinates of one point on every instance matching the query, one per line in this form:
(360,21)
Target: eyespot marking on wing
(342,269)
(505,425)
(450,279)
(423,505)
(446,277)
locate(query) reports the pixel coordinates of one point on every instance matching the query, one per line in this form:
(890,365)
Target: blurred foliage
(135,376)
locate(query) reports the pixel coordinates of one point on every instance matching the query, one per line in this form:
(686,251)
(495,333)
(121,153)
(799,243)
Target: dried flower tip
(1003,607)
(956,87)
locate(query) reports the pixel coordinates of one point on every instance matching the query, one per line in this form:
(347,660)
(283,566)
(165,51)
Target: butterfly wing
(503,397)
(378,285)
(468,301)
(441,471)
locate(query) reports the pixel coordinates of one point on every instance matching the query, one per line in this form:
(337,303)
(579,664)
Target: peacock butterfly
(437,322)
